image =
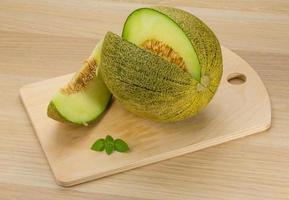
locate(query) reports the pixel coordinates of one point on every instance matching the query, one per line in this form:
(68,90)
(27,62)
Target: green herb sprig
(110,145)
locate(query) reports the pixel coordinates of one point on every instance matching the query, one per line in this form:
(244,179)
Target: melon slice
(85,97)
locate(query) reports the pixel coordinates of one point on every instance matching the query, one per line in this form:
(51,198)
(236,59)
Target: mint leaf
(120,145)
(109,146)
(98,145)
(108,138)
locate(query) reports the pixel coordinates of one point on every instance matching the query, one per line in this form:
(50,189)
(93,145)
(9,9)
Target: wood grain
(58,35)
(238,109)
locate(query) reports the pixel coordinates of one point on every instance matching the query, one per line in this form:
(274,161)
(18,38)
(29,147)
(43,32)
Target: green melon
(85,97)
(167,66)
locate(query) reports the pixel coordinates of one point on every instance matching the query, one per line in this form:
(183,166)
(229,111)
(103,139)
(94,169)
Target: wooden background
(35,37)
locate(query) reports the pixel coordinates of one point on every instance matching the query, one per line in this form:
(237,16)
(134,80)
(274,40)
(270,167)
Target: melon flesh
(149,24)
(85,104)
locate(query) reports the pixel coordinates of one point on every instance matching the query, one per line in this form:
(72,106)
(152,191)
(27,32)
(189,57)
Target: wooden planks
(255,167)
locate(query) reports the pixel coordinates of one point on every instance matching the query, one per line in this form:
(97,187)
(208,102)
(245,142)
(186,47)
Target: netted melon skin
(149,85)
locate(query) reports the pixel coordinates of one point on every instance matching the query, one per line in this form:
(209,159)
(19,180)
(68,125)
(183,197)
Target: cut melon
(167,66)
(85,97)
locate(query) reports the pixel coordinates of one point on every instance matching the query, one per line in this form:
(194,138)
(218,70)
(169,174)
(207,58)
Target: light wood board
(237,110)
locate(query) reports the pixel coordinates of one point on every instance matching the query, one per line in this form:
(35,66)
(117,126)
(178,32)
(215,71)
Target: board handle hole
(236,78)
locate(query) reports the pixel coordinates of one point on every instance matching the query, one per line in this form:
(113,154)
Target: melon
(166,66)
(85,97)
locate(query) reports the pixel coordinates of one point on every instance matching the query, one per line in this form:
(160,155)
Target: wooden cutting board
(241,107)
